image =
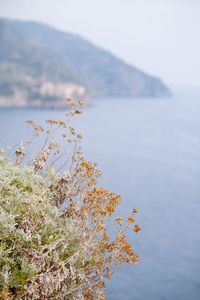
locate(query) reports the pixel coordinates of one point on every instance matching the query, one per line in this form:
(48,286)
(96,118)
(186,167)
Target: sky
(161,37)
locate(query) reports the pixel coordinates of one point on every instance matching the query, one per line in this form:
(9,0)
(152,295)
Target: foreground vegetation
(54,242)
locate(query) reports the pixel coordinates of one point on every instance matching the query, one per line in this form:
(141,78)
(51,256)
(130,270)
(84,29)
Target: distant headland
(40,66)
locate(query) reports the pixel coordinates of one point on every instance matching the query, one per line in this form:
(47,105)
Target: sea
(149,152)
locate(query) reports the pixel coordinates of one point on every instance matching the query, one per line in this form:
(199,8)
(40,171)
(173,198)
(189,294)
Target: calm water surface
(149,150)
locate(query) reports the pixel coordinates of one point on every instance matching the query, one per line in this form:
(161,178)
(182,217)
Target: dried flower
(136,228)
(130,220)
(118,220)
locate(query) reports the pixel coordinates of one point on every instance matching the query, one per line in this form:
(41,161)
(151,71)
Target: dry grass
(53,220)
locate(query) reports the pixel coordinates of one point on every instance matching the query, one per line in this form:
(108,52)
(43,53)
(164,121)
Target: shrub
(53,221)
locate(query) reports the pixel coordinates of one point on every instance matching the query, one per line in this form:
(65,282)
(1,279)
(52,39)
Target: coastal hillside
(40,66)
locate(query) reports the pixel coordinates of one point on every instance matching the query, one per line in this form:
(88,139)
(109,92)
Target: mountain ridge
(55,64)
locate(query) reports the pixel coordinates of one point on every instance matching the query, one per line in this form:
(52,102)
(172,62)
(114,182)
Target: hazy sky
(160,36)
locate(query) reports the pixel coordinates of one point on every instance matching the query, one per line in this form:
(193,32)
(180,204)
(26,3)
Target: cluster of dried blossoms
(55,244)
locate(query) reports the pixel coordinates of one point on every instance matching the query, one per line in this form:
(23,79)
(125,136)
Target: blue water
(149,150)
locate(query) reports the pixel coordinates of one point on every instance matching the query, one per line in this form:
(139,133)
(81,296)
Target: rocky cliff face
(40,66)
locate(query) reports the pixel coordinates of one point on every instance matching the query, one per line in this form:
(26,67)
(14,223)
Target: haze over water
(149,150)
